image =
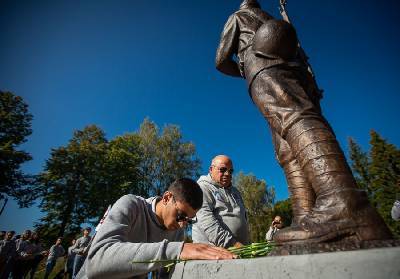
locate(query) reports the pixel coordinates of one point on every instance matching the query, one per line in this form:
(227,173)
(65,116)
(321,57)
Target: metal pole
(4,205)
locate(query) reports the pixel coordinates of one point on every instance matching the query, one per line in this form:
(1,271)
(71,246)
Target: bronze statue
(327,205)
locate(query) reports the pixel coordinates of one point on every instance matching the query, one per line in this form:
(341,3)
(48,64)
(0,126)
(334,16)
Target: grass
(42,268)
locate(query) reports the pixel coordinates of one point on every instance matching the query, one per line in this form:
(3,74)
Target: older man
(222,219)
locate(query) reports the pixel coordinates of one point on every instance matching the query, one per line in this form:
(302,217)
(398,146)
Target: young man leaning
(138,229)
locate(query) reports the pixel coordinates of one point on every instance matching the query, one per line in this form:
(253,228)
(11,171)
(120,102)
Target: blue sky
(113,63)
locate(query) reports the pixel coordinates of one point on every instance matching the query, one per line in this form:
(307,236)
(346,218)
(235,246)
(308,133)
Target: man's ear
(167,196)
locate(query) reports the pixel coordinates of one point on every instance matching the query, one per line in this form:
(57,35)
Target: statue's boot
(340,209)
(301,192)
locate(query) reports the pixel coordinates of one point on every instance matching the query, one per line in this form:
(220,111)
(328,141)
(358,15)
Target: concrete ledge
(382,263)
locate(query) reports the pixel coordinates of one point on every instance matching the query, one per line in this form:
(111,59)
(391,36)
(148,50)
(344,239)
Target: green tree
(258,198)
(117,176)
(378,173)
(69,183)
(360,165)
(15,127)
(164,157)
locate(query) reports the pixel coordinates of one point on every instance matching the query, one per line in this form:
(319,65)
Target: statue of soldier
(327,205)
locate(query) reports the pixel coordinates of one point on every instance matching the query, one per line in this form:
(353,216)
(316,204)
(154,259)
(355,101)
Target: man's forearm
(116,260)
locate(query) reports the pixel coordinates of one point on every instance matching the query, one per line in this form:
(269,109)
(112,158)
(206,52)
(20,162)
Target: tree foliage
(258,198)
(378,173)
(164,157)
(15,127)
(71,177)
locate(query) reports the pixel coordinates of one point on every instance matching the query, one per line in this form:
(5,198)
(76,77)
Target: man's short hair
(89,229)
(187,190)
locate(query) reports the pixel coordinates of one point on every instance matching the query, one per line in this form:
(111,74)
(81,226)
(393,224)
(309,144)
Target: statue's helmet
(276,39)
(250,3)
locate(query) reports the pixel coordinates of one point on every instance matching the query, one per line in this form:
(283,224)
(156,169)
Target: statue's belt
(254,74)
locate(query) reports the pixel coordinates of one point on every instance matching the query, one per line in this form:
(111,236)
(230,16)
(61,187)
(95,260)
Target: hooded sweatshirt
(396,211)
(131,232)
(222,219)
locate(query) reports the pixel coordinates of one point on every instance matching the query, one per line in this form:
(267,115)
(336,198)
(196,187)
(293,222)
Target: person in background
(38,254)
(69,264)
(24,249)
(274,228)
(396,211)
(55,252)
(222,219)
(7,255)
(3,251)
(80,250)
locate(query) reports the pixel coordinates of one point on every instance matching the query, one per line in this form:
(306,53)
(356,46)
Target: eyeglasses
(224,170)
(182,217)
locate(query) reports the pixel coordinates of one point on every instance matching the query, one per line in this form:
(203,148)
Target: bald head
(221,170)
(220,158)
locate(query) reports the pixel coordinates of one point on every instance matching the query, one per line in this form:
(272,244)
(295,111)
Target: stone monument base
(363,264)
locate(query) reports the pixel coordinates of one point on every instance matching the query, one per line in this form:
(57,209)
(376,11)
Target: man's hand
(237,245)
(199,251)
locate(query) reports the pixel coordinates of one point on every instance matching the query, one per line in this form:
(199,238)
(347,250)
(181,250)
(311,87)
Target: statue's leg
(301,192)
(341,209)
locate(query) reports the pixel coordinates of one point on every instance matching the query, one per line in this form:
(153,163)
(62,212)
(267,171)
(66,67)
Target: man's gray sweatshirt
(222,219)
(131,232)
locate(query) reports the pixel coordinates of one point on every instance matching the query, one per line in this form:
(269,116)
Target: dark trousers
(7,268)
(49,267)
(78,262)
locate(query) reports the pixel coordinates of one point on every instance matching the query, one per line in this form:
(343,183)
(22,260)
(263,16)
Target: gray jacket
(55,252)
(222,219)
(130,232)
(80,244)
(24,249)
(269,236)
(396,211)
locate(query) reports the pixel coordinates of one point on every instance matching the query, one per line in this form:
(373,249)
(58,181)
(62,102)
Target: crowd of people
(20,255)
(152,230)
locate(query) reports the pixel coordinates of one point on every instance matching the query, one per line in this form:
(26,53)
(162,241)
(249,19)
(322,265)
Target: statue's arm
(227,48)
